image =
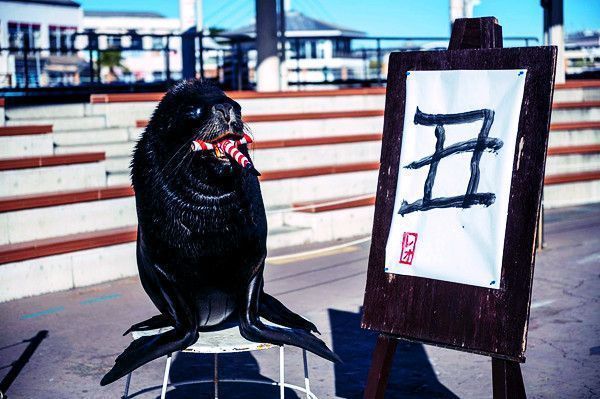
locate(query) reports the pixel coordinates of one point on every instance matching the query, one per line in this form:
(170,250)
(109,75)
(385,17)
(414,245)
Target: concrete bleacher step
(317,124)
(118,165)
(111,149)
(70,261)
(310,152)
(125,109)
(578,133)
(26,141)
(570,189)
(33,217)
(577,90)
(314,124)
(47,111)
(334,218)
(576,111)
(307,152)
(31,175)
(305,184)
(93,136)
(575,158)
(63,123)
(118,178)
(286,236)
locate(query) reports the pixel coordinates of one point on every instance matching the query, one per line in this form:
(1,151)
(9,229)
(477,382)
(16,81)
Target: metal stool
(227,340)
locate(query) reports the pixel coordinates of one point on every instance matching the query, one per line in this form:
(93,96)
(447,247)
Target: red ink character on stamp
(409,243)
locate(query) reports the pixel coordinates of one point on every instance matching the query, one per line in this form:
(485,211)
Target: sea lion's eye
(195,112)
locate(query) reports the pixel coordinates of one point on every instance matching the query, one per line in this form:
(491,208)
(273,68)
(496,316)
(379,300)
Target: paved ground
(66,341)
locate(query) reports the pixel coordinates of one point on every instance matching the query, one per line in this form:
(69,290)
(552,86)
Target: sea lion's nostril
(224,110)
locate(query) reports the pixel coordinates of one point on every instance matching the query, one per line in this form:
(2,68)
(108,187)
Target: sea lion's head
(194,110)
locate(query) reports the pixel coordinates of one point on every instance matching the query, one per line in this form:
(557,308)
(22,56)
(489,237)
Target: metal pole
(281,373)
(127,382)
(163,392)
(306,379)
(216,376)
(267,59)
(554,34)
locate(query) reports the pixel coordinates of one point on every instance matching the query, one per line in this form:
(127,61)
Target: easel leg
(381,364)
(507,379)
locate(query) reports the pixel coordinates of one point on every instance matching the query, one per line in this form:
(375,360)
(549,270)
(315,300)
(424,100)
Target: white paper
(462,243)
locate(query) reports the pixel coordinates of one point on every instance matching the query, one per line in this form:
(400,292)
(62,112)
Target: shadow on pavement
(412,375)
(190,366)
(17,365)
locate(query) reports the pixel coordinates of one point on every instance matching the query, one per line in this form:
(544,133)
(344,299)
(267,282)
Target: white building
(47,24)
(316,51)
(144,57)
(582,52)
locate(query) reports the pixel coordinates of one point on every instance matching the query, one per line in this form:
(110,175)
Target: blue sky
(381,17)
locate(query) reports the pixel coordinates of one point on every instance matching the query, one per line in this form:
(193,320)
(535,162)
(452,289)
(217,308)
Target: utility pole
(267,58)
(554,33)
(461,9)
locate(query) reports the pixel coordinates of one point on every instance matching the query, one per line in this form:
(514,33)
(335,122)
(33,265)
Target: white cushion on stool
(219,341)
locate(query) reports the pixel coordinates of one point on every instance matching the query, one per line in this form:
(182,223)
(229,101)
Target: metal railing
(96,61)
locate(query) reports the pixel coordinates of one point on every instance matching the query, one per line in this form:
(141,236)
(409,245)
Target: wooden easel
(507,380)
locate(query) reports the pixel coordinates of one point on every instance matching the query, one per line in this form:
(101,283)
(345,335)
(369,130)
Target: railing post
(90,41)
(188,53)
(365,64)
(297,44)
(379,61)
(201,49)
(238,64)
(167,51)
(26,59)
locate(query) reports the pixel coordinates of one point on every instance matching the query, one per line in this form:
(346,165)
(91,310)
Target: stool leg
(127,382)
(216,376)
(163,392)
(281,373)
(306,379)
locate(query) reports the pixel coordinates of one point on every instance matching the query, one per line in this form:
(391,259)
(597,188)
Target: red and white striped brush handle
(229,147)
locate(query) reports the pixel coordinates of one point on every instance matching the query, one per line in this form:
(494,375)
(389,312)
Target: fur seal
(202,229)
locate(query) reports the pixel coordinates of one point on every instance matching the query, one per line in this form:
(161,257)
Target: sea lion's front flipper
(176,305)
(158,321)
(253,329)
(276,312)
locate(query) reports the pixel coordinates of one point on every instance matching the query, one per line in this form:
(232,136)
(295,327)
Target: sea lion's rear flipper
(158,321)
(253,329)
(146,349)
(276,312)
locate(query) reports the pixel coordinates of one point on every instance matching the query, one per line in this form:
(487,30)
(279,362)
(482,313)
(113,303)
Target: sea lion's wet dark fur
(202,233)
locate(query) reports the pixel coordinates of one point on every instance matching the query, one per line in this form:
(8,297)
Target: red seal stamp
(409,243)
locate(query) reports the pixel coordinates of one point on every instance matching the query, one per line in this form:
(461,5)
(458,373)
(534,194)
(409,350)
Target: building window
(341,48)
(113,42)
(18,31)
(62,38)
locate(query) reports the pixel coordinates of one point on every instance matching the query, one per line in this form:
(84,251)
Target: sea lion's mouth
(225,149)
(228,135)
